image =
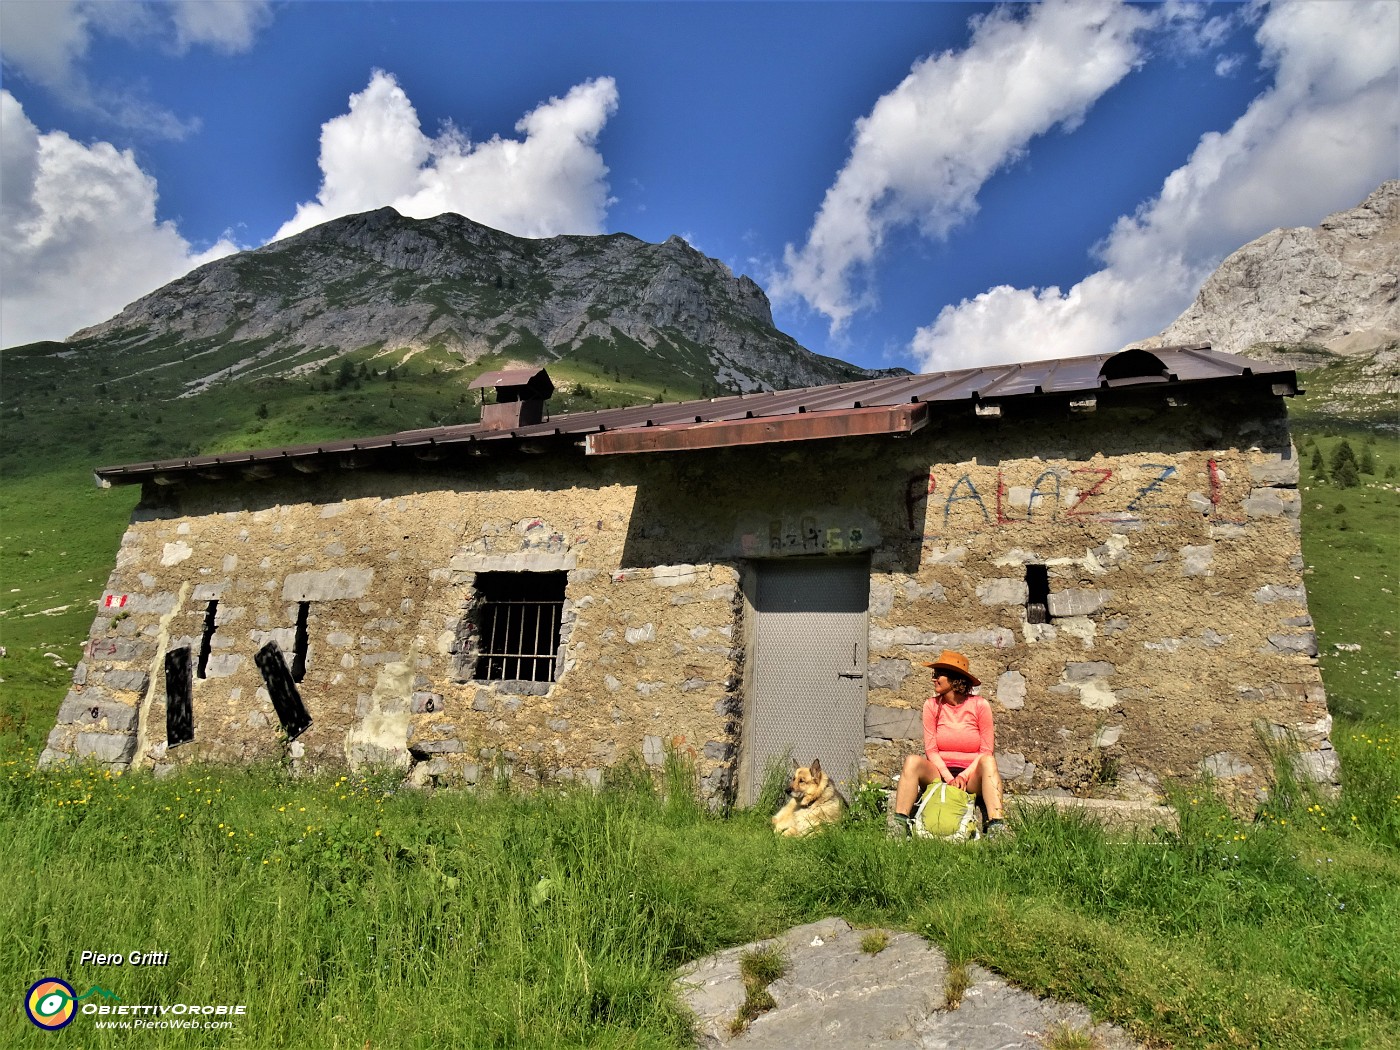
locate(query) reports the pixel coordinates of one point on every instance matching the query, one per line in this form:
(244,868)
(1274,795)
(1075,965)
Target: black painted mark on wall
(179,705)
(206,641)
(299,643)
(291,712)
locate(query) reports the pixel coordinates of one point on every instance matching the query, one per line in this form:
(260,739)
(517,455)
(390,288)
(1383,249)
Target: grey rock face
(1334,285)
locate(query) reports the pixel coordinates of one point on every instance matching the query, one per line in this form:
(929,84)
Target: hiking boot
(999,829)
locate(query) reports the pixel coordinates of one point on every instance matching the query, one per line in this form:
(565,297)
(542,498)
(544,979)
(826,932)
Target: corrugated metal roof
(983,386)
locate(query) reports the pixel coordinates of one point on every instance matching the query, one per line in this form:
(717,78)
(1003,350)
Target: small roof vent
(520,397)
(1133,366)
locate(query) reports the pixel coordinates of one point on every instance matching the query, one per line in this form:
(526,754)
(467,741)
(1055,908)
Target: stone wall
(1176,624)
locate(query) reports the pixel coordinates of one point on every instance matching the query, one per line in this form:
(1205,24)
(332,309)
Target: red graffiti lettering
(1002,519)
(916,490)
(1093,490)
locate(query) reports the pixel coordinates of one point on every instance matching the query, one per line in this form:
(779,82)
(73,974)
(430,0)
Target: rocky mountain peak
(1334,286)
(450,285)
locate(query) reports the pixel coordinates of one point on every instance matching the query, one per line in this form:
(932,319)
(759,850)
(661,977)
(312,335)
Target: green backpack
(946,812)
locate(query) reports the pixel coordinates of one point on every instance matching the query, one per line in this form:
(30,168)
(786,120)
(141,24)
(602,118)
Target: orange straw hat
(951,661)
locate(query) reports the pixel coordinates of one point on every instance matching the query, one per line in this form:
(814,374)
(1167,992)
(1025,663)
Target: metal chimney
(520,397)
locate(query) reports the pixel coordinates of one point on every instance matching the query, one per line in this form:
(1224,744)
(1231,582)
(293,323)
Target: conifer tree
(1344,467)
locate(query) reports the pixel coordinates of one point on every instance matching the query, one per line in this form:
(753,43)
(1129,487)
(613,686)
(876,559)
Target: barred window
(518,617)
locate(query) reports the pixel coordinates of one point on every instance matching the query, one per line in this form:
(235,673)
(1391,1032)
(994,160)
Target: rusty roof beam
(809,426)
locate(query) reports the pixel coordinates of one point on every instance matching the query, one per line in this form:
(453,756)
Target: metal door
(808,664)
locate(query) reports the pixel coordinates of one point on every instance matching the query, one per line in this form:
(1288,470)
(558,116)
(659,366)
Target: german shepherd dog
(812,801)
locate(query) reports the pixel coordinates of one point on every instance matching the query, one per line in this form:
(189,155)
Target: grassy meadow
(344,912)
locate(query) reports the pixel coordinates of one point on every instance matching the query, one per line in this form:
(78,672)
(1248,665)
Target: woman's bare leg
(918,771)
(983,778)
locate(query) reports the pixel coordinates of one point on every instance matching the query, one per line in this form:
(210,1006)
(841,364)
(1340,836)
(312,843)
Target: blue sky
(919,184)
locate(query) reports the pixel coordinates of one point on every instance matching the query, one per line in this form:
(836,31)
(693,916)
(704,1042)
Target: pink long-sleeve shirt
(959,733)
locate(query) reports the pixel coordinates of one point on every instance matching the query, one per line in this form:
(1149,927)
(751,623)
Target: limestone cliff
(1333,286)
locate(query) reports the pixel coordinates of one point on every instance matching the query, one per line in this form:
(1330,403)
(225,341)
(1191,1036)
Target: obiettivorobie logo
(52,1004)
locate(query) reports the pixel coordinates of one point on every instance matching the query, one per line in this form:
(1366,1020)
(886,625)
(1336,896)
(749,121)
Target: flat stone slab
(994,1015)
(836,996)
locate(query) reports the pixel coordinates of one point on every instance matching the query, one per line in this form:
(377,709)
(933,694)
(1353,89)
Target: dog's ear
(816,767)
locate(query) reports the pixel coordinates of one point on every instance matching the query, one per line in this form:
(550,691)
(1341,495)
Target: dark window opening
(179,708)
(299,643)
(291,712)
(211,615)
(1038,594)
(519,615)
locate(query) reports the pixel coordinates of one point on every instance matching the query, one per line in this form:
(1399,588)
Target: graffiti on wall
(807,534)
(1125,493)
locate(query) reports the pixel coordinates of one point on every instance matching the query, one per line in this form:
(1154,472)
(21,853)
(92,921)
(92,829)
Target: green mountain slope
(457,294)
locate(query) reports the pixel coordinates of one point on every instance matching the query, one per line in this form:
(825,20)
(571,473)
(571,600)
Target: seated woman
(958,741)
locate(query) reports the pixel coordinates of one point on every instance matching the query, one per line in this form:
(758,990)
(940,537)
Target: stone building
(1113,540)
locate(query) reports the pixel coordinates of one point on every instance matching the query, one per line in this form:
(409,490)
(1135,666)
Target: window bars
(519,617)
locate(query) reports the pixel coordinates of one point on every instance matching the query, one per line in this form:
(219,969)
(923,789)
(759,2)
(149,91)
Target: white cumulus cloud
(47,42)
(926,148)
(79,238)
(549,181)
(1319,138)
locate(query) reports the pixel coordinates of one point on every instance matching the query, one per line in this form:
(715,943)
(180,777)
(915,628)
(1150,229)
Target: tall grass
(343,912)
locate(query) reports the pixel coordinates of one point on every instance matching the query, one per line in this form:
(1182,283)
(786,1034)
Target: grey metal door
(808,664)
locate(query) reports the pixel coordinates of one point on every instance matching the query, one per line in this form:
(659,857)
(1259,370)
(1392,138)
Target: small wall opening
(300,642)
(1037,594)
(206,641)
(518,616)
(179,707)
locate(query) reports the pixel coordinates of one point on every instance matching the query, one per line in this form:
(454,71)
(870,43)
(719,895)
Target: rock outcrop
(838,994)
(1333,286)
